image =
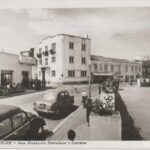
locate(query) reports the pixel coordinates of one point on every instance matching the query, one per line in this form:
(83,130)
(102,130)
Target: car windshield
(49,97)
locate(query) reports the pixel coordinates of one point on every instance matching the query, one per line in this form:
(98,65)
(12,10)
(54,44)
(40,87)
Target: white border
(20,4)
(30,4)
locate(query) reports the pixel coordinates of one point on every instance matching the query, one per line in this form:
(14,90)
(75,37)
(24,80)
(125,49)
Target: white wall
(11,62)
(122,66)
(77,53)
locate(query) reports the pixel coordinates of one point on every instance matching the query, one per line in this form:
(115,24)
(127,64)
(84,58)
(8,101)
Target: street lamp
(89,65)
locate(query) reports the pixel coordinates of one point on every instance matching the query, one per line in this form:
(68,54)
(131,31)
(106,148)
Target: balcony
(45,53)
(52,51)
(27,60)
(39,55)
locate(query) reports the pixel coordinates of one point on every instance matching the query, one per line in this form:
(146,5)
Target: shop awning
(103,74)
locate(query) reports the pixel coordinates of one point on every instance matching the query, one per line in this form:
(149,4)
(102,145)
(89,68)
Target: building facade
(63,59)
(66,59)
(103,67)
(14,68)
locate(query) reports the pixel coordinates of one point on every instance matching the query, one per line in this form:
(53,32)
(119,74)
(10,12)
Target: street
(136,100)
(26,103)
(138,105)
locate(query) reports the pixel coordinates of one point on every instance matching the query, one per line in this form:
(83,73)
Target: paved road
(26,103)
(137,101)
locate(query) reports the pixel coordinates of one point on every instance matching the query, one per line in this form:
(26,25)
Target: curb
(63,122)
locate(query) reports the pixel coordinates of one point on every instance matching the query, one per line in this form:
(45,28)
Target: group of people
(9,89)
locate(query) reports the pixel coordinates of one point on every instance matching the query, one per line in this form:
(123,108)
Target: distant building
(15,68)
(145,60)
(104,67)
(63,59)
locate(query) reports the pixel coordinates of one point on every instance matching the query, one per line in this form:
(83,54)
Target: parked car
(16,124)
(55,101)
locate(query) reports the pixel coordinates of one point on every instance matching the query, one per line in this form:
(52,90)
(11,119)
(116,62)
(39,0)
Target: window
(71,59)
(119,68)
(83,47)
(71,45)
(39,73)
(40,50)
(46,48)
(19,119)
(53,59)
(83,74)
(139,69)
(5,127)
(83,60)
(40,61)
(53,46)
(95,67)
(71,73)
(6,77)
(105,67)
(53,73)
(46,61)
(132,68)
(112,68)
(126,68)
(135,68)
(101,67)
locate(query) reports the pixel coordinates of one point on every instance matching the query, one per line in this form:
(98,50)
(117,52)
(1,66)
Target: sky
(114,32)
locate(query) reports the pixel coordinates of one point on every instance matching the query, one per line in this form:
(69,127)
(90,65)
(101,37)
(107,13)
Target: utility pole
(89,65)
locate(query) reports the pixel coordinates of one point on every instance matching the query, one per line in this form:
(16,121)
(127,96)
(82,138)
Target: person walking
(88,110)
(84,97)
(99,88)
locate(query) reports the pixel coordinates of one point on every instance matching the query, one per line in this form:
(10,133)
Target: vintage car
(16,124)
(55,101)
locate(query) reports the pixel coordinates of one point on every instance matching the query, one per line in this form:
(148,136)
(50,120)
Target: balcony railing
(39,55)
(27,60)
(52,51)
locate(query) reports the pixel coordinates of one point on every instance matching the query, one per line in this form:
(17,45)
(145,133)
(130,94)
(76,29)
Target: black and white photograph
(75,74)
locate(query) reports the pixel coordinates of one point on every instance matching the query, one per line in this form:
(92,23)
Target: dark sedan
(16,124)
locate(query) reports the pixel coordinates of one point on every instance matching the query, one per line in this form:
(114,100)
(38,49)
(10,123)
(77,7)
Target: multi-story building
(14,68)
(103,67)
(66,58)
(63,59)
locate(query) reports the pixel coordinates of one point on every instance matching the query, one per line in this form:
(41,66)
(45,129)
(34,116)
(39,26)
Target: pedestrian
(99,88)
(88,110)
(131,81)
(84,97)
(75,89)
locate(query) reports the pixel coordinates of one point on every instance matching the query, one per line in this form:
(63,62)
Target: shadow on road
(129,131)
(59,116)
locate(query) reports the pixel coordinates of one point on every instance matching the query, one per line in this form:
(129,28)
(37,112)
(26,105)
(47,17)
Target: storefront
(14,70)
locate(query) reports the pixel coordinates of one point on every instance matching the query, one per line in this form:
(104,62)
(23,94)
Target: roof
(7,110)
(66,35)
(101,58)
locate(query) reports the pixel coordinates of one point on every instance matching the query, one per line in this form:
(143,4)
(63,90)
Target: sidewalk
(28,91)
(101,127)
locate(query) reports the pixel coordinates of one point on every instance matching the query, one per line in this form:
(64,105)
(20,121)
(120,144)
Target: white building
(126,69)
(15,68)
(63,59)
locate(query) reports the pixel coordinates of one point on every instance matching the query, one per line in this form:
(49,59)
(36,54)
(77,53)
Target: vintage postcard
(74,75)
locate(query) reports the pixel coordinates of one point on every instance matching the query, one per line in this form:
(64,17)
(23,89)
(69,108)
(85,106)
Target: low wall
(105,127)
